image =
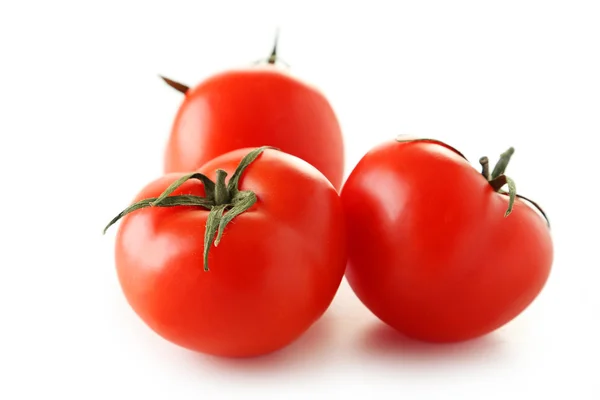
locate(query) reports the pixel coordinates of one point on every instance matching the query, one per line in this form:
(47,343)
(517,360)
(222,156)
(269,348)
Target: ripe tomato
(251,107)
(432,250)
(270,276)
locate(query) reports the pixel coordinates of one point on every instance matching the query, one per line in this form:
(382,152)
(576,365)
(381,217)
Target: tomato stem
(212,225)
(183,200)
(209,186)
(224,201)
(496,179)
(180,87)
(498,183)
(502,163)
(221,192)
(273,57)
(485,167)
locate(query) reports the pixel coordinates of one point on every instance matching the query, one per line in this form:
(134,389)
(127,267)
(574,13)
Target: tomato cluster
(242,244)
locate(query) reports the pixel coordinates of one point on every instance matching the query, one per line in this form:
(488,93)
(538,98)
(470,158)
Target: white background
(83,123)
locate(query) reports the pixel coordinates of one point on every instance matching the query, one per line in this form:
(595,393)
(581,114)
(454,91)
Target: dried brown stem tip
(180,87)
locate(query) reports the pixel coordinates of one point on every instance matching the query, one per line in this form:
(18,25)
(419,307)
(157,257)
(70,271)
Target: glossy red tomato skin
(256,107)
(272,276)
(429,250)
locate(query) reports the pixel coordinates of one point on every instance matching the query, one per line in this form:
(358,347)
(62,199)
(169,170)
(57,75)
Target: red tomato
(274,272)
(430,250)
(257,106)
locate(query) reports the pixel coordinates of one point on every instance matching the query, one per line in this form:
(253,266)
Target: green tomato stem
(497,180)
(502,163)
(485,167)
(222,199)
(221,192)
